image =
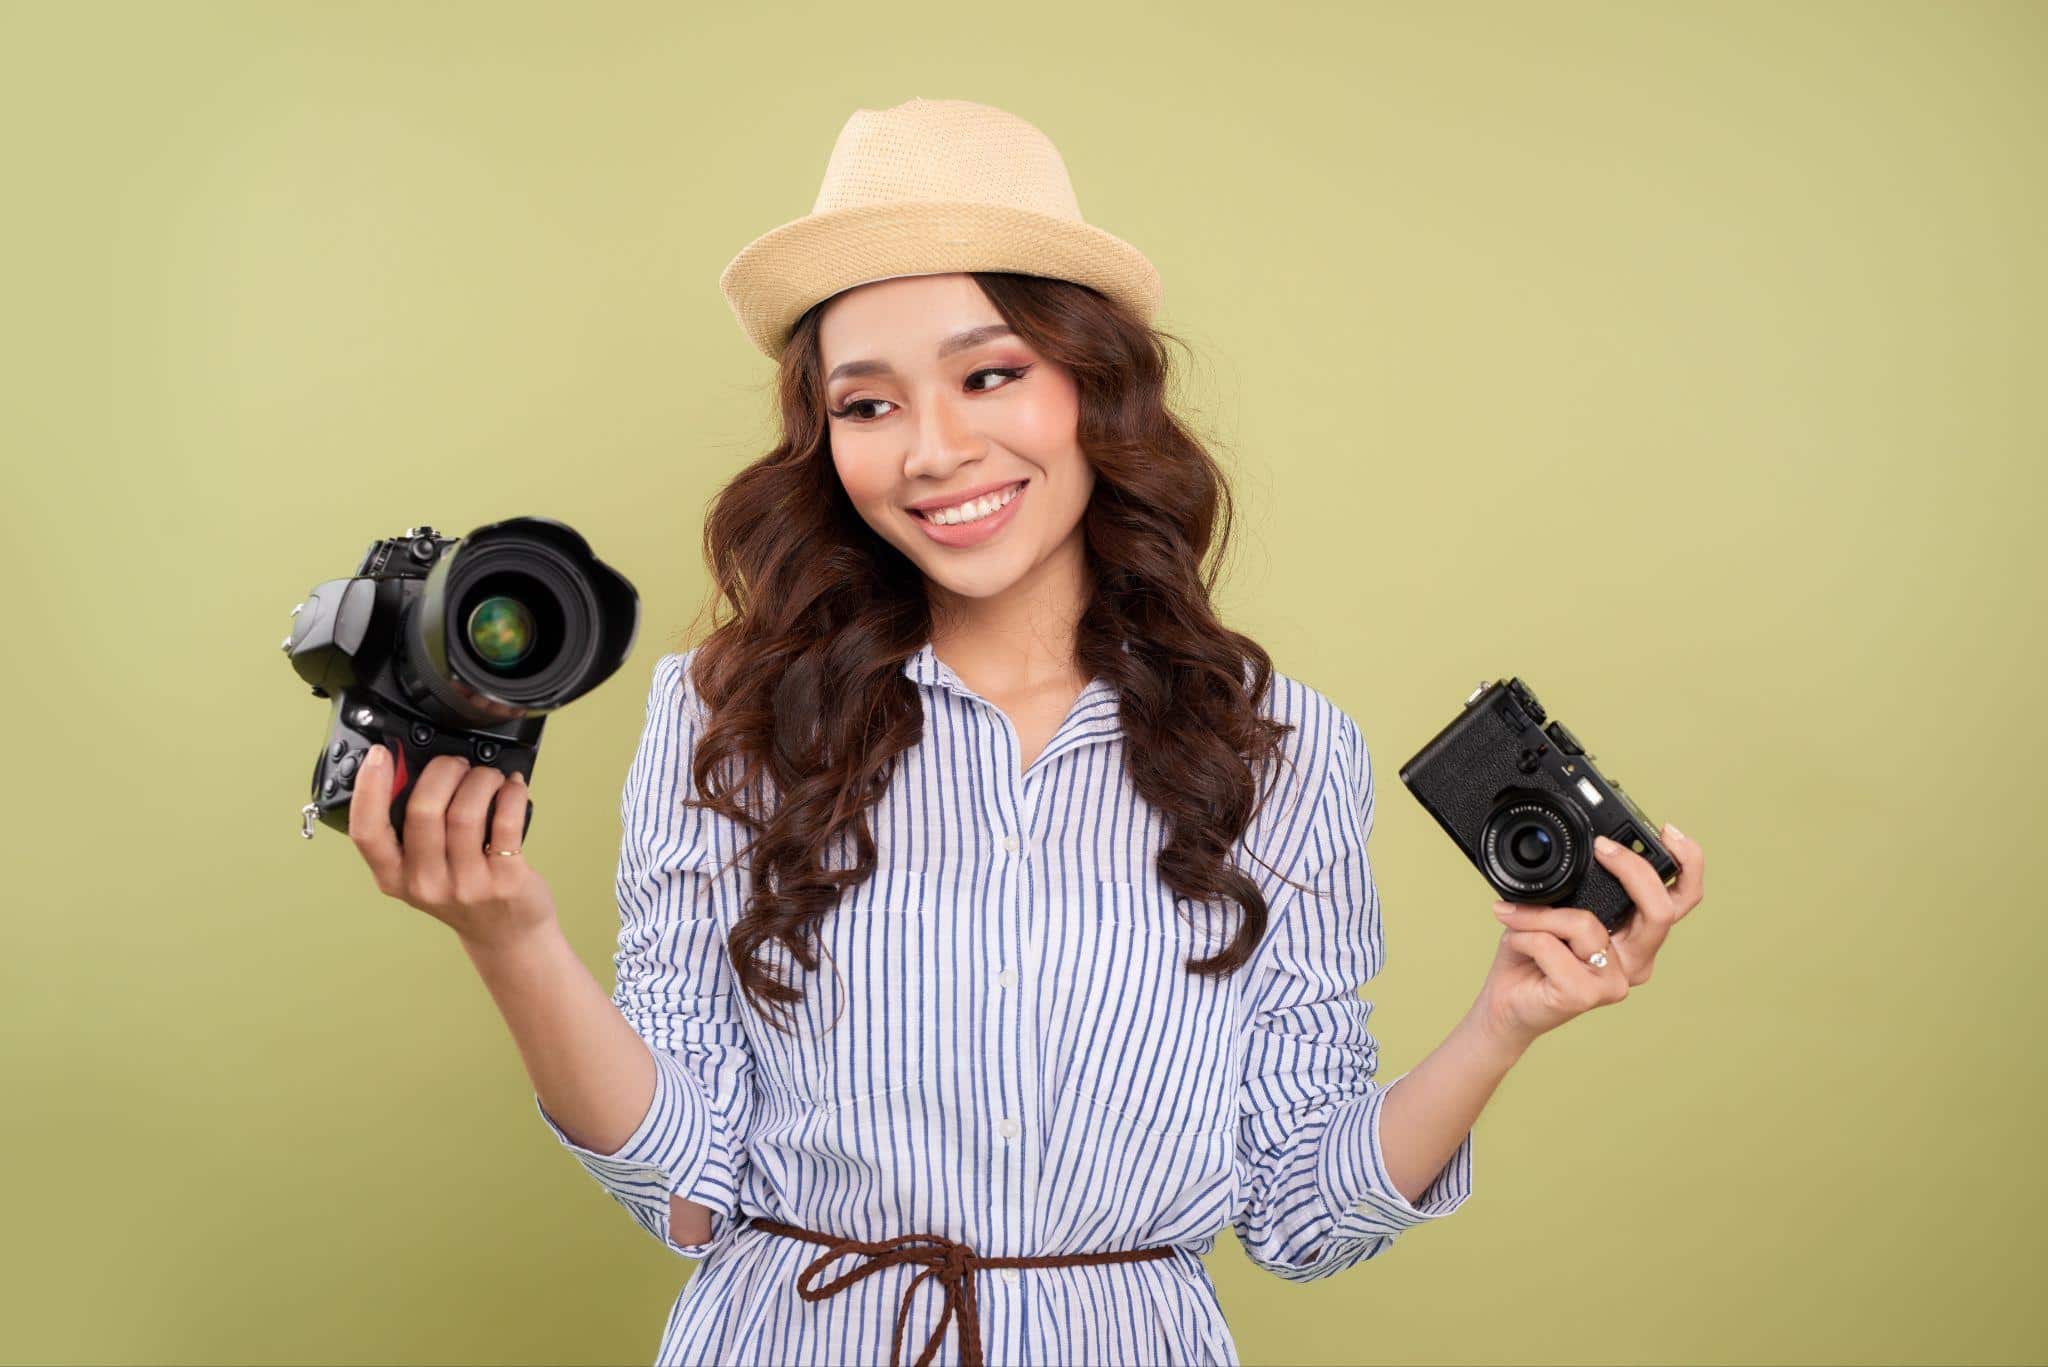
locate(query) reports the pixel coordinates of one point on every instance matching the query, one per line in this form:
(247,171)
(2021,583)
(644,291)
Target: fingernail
(1604,845)
(1670,829)
(375,757)
(1501,908)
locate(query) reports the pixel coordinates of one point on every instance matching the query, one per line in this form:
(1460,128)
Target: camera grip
(401,798)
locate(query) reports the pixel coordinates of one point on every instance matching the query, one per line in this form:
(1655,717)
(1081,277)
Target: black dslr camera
(446,645)
(1524,802)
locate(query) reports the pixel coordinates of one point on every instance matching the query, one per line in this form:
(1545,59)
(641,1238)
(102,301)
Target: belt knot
(952,1261)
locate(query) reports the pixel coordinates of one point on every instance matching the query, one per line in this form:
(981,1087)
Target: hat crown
(931,187)
(946,151)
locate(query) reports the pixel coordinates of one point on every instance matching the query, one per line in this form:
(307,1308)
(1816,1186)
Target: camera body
(1523,800)
(443,645)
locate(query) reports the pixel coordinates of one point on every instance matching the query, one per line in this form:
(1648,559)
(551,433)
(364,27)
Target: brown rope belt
(952,1262)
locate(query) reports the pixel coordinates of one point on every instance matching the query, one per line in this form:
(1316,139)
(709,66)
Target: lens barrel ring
(1531,847)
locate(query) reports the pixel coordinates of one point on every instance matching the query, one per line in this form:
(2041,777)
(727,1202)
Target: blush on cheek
(870,491)
(1049,424)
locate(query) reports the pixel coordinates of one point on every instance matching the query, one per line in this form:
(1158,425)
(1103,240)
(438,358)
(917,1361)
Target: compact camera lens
(1532,845)
(502,631)
(1528,847)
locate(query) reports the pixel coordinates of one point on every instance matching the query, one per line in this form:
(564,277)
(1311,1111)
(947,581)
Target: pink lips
(974,533)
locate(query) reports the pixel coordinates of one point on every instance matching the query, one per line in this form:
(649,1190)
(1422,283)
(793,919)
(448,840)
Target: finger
(1645,888)
(1637,878)
(426,815)
(369,820)
(465,827)
(1579,928)
(508,820)
(1692,870)
(1574,984)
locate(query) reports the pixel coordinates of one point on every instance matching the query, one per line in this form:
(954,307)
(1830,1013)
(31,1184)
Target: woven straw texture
(928,187)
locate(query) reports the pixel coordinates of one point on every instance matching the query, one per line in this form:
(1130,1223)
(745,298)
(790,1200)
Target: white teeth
(976,510)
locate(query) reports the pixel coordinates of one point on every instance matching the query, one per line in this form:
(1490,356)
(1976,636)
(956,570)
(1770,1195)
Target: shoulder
(1322,780)
(673,691)
(1320,790)
(1325,736)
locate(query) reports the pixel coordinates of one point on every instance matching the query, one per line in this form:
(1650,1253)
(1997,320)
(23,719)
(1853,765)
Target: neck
(1018,640)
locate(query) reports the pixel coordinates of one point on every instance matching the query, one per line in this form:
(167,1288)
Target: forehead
(901,320)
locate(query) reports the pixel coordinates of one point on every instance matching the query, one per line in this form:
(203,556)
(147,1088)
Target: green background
(1675,357)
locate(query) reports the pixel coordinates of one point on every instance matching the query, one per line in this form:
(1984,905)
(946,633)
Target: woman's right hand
(442,868)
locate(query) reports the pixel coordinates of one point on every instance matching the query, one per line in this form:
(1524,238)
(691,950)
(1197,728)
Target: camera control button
(337,750)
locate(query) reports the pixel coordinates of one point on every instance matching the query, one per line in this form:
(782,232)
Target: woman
(992,916)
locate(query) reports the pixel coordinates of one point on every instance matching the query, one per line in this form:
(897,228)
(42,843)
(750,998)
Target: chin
(978,581)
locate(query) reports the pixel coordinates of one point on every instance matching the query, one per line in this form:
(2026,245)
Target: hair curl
(808,705)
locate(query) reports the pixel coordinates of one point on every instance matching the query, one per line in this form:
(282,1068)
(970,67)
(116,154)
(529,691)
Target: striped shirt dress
(1001,1046)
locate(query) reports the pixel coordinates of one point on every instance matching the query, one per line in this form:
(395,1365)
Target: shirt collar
(925,667)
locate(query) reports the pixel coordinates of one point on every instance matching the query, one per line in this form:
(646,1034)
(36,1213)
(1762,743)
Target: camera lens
(1529,848)
(501,630)
(512,621)
(518,618)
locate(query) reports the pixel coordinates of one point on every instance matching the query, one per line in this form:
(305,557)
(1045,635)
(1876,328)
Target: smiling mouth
(1003,496)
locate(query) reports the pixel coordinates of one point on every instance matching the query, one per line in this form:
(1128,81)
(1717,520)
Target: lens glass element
(1528,849)
(502,631)
(1531,846)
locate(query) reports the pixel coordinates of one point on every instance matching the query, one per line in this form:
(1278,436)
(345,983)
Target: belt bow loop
(950,1260)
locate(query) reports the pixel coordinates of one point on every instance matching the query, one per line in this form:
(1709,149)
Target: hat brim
(786,270)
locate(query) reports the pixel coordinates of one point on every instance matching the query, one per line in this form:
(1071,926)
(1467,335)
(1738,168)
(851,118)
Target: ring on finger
(1598,958)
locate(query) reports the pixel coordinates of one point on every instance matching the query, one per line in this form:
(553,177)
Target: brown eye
(1012,372)
(847,411)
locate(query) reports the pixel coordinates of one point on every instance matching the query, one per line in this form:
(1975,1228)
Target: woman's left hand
(1541,978)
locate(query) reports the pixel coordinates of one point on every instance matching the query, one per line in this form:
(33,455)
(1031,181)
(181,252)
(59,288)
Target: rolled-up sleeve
(1316,1197)
(675,985)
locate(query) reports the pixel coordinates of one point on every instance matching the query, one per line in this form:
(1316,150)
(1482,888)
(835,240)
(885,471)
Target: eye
(847,411)
(1013,372)
(1007,372)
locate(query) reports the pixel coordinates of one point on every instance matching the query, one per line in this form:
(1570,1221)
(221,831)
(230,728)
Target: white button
(1007,1127)
(1008,977)
(1010,1275)
(1011,843)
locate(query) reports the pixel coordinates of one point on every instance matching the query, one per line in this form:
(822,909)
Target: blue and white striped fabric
(1020,1062)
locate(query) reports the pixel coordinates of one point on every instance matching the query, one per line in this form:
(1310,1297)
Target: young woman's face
(931,397)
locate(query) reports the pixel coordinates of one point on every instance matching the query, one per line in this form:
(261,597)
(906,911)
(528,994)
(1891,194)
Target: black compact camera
(442,645)
(1523,801)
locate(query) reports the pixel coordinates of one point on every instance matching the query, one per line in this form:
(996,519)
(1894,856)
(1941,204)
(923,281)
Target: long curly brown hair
(808,705)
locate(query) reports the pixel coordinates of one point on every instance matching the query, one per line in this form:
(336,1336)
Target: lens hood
(516,619)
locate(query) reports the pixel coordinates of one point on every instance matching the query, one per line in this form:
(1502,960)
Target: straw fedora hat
(929,187)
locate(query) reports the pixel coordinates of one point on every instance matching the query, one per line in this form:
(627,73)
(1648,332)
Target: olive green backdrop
(1683,359)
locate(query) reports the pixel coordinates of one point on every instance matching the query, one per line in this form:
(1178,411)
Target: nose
(944,438)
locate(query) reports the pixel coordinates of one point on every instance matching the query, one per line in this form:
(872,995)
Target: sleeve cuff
(675,1151)
(1352,1173)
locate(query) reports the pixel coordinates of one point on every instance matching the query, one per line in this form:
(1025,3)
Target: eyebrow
(959,341)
